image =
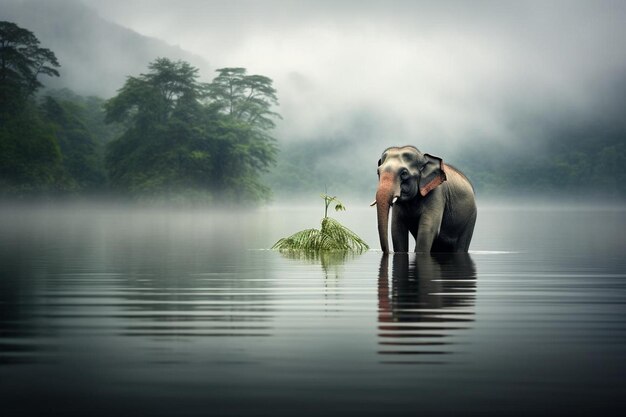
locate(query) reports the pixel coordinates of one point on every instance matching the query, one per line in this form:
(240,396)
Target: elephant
(433,201)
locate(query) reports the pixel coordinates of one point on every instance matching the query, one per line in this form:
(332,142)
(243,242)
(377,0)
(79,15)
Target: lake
(110,310)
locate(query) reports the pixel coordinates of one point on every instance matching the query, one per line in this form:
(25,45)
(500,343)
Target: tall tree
(243,134)
(154,97)
(30,158)
(164,136)
(80,150)
(22,60)
(247,98)
(186,137)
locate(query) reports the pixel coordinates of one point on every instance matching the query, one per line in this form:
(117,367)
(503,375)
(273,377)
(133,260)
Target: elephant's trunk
(384,195)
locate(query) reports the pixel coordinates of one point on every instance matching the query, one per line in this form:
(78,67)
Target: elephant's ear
(433,174)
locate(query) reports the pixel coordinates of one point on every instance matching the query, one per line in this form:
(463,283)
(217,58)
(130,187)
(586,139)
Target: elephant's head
(404,174)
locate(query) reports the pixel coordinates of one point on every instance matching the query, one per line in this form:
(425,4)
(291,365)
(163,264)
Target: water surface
(120,311)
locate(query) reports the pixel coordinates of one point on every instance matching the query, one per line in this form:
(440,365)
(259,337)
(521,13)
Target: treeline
(580,161)
(164,135)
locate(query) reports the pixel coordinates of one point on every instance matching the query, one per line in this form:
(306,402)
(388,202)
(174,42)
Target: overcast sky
(404,71)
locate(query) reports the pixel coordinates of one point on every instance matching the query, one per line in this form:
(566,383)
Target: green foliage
(90,111)
(166,133)
(30,158)
(579,166)
(184,135)
(333,236)
(22,60)
(247,98)
(328,200)
(243,147)
(241,152)
(169,90)
(80,151)
(165,145)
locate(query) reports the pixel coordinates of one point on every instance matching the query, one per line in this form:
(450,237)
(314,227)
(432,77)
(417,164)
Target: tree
(22,60)
(247,98)
(30,158)
(89,110)
(165,147)
(156,96)
(181,136)
(80,150)
(245,102)
(164,134)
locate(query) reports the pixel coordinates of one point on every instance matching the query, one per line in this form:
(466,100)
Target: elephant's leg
(427,230)
(466,235)
(399,231)
(443,245)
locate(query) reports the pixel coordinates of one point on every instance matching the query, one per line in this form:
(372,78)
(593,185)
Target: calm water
(113,311)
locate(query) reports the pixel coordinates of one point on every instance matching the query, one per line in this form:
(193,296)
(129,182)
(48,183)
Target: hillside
(96,55)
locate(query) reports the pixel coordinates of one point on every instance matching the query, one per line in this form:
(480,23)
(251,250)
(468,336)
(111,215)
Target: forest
(167,136)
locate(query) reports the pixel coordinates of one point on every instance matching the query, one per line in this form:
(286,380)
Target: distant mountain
(95,55)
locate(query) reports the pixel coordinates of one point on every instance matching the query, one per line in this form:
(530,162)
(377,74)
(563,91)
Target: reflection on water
(183,302)
(68,279)
(430,299)
(16,325)
(138,312)
(330,261)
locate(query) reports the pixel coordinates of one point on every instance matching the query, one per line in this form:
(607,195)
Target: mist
(430,73)
(96,55)
(504,80)
(142,189)
(479,84)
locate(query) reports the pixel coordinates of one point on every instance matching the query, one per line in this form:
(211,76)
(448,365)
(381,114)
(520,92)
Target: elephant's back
(457,177)
(460,209)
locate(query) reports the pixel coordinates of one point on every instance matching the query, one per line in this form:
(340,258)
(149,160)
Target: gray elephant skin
(431,200)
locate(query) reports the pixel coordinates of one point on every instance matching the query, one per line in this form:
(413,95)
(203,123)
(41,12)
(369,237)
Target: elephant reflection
(430,300)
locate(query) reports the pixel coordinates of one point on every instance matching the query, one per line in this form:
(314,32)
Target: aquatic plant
(333,236)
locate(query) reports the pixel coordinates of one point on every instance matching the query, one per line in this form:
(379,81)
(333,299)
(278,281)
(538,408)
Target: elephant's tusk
(373,203)
(394,200)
